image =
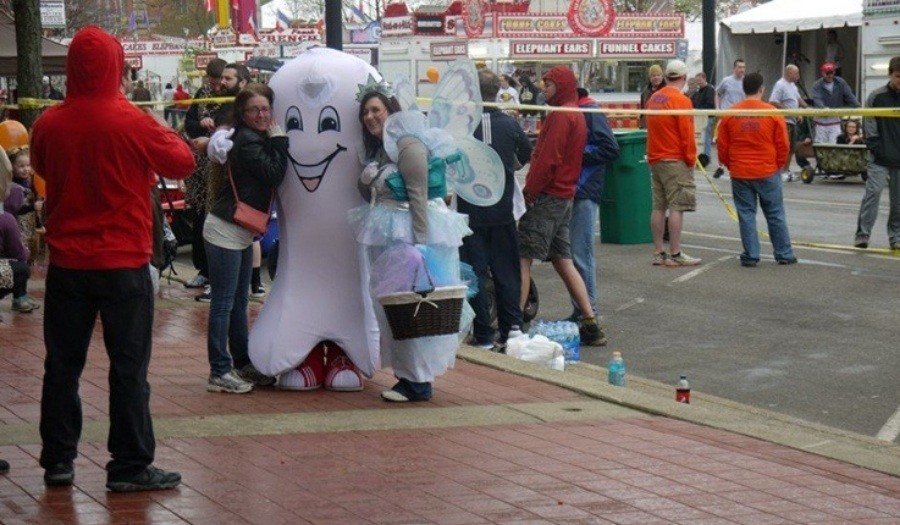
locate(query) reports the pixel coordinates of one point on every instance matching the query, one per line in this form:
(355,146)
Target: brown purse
(247,216)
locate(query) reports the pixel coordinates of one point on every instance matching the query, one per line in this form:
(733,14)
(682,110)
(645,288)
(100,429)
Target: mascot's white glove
(219,145)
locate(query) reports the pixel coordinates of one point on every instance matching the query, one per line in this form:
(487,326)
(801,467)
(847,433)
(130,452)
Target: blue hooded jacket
(600,150)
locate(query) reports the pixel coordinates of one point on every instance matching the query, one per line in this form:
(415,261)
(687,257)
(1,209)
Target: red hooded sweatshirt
(98,154)
(556,161)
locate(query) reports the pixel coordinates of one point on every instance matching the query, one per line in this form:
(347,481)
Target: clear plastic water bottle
(617,370)
(683,391)
(573,342)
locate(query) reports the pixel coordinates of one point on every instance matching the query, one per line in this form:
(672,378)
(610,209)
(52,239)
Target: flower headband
(373,85)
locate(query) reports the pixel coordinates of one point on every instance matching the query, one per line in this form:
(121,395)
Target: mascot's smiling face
(316,107)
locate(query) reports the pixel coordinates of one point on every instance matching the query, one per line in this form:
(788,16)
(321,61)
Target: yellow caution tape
(833,112)
(38,103)
(733,214)
(35,103)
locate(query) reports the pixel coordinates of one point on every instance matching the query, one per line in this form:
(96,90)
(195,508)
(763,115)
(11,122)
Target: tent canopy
(53,55)
(785,16)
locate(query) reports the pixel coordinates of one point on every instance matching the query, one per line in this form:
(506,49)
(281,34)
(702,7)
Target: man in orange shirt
(755,149)
(672,152)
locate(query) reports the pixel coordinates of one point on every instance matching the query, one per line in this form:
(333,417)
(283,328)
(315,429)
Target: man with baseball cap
(831,91)
(672,153)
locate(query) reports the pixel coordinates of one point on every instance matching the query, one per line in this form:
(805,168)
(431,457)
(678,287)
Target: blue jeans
(768,192)
(708,135)
(229,278)
(585,213)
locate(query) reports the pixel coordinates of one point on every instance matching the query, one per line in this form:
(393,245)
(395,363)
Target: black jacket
(530,95)
(257,163)
(198,112)
(511,144)
(883,133)
(704,98)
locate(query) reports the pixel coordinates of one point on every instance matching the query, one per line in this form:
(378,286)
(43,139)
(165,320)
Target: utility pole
(709,40)
(334,30)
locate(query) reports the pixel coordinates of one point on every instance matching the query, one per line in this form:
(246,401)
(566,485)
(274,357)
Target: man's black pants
(124,300)
(494,251)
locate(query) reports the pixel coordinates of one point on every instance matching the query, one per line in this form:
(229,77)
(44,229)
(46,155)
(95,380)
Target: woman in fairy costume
(411,159)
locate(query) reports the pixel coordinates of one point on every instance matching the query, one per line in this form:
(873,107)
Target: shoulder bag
(247,216)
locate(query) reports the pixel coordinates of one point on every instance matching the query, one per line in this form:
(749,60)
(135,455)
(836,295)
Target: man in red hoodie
(99,155)
(549,191)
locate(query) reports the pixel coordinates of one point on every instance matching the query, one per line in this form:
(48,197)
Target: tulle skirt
(384,224)
(381,228)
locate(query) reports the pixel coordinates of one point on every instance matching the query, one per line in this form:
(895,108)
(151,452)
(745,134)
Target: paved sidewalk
(500,443)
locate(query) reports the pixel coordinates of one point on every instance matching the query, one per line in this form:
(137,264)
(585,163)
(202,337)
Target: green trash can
(627,199)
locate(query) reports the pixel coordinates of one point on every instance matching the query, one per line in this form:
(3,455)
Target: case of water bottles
(565,333)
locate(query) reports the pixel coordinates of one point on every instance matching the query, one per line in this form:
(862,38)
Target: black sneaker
(592,335)
(59,475)
(719,172)
(151,478)
(792,260)
(861,241)
(4,466)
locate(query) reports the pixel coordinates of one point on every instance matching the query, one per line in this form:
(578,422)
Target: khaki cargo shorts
(544,229)
(673,186)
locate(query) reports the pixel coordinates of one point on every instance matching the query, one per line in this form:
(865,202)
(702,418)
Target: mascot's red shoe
(341,375)
(308,375)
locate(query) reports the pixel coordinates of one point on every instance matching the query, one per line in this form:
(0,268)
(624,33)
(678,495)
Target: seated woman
(29,214)
(852,134)
(14,269)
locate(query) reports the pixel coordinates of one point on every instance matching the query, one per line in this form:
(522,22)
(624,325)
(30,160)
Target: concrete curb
(652,397)
(659,399)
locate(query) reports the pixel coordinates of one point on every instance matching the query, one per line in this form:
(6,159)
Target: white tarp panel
(780,16)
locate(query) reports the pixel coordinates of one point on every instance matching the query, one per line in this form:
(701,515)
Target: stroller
(831,159)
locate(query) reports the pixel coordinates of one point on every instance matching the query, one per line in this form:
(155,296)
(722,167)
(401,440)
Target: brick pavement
(493,447)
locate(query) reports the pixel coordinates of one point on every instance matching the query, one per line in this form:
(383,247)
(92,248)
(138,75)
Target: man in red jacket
(99,155)
(549,191)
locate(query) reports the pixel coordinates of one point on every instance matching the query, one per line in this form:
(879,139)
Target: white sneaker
(682,259)
(788,176)
(229,383)
(198,281)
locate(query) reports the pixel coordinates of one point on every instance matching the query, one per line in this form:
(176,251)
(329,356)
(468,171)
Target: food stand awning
(53,54)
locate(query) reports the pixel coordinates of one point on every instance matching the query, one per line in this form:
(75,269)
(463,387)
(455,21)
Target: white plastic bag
(519,207)
(538,350)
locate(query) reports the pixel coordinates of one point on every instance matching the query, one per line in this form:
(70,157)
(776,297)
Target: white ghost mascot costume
(320,290)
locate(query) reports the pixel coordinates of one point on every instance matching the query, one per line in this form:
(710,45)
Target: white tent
(785,16)
(772,34)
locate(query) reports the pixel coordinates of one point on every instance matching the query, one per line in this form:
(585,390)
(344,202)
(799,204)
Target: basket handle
(430,288)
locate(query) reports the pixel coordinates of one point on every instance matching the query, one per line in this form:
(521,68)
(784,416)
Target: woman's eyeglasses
(258,111)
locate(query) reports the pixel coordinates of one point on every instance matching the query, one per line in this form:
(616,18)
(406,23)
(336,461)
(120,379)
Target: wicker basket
(412,314)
